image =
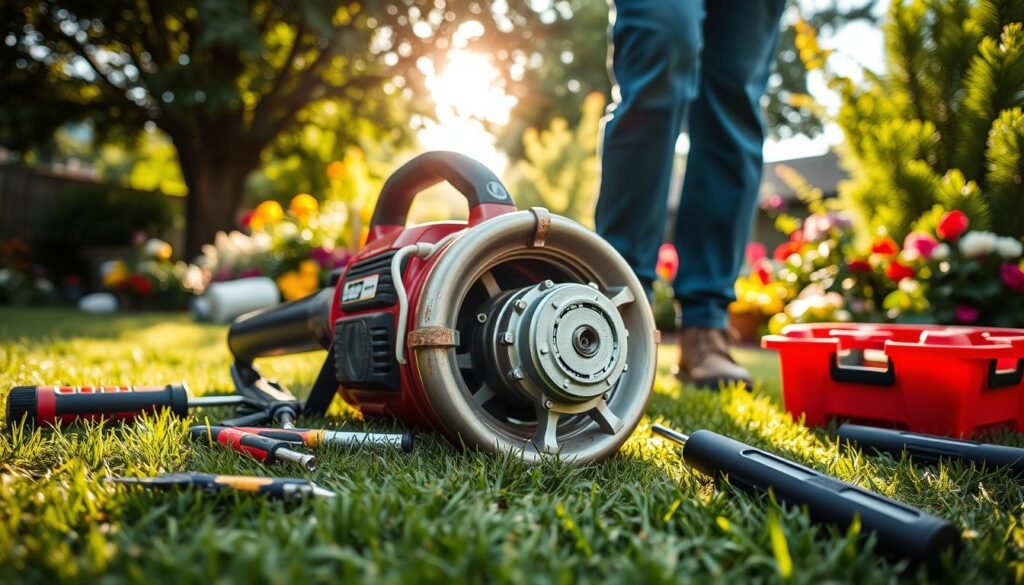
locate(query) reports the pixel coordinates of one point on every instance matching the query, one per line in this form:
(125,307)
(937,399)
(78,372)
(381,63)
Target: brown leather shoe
(705,359)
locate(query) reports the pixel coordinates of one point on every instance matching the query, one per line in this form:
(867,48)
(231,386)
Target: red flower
(898,272)
(1013,277)
(140,283)
(246,218)
(763,270)
(919,245)
(885,246)
(952,224)
(859,265)
(668,262)
(966,314)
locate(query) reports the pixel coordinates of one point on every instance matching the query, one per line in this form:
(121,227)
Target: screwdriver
(318,437)
(902,531)
(263,449)
(274,487)
(39,405)
(931,448)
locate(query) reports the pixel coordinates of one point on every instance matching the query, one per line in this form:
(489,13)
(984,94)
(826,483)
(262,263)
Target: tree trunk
(216,182)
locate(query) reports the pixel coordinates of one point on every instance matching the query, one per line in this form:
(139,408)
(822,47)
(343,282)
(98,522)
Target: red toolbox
(927,379)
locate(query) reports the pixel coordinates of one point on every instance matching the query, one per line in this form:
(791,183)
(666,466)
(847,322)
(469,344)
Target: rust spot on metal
(432,337)
(657,336)
(541,226)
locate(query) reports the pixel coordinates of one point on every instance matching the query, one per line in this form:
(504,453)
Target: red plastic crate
(928,379)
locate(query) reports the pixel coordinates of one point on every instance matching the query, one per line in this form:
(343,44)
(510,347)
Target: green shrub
(108,216)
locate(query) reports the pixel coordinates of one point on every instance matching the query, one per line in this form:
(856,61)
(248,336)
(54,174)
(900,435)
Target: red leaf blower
(519,330)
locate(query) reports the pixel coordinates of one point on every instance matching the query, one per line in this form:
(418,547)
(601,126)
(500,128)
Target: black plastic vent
(360,274)
(364,352)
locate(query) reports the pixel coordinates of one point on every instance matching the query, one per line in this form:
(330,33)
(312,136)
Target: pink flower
(250,272)
(952,224)
(322,255)
(773,203)
(966,314)
(668,262)
(816,226)
(1013,277)
(919,245)
(756,251)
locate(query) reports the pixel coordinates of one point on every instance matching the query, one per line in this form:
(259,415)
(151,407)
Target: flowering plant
(22,282)
(942,273)
(150,279)
(295,247)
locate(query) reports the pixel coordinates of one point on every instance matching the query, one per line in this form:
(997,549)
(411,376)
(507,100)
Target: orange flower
(337,171)
(266,213)
(303,206)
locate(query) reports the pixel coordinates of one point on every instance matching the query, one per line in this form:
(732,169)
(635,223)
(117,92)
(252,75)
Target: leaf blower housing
(519,330)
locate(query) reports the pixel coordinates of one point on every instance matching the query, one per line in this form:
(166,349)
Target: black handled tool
(902,531)
(264,449)
(318,437)
(274,487)
(39,405)
(932,448)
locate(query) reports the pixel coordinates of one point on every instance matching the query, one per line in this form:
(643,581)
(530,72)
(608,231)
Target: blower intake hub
(562,342)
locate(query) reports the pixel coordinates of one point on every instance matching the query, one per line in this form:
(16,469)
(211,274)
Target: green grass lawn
(438,515)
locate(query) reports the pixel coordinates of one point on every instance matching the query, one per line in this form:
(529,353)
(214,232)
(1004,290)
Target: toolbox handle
(860,375)
(476,182)
(1002,379)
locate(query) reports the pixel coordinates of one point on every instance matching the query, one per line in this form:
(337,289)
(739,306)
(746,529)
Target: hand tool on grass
(264,449)
(318,437)
(931,448)
(274,487)
(39,405)
(902,531)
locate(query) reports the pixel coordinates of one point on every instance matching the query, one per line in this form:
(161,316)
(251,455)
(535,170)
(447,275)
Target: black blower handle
(932,448)
(475,181)
(901,530)
(292,327)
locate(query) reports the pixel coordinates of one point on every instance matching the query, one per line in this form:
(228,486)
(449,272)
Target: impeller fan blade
(464,361)
(546,436)
(484,395)
(606,419)
(490,283)
(623,297)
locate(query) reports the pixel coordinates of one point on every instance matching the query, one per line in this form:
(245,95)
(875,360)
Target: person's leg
(654,65)
(723,169)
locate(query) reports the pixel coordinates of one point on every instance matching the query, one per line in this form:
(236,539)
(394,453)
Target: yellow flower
(266,213)
(116,275)
(300,283)
(303,206)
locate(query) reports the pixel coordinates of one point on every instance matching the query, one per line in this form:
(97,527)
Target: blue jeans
(676,63)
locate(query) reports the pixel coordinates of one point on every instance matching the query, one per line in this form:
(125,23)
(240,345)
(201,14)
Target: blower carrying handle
(482,189)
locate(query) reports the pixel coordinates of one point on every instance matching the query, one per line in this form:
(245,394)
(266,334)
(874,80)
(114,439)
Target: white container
(224,301)
(100,302)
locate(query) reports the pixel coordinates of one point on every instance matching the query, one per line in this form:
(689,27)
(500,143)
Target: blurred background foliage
(233,102)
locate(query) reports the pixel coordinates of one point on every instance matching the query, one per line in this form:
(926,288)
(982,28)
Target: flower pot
(747,325)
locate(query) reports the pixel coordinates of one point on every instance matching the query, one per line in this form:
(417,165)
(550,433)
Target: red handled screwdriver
(263,449)
(318,437)
(39,405)
(273,487)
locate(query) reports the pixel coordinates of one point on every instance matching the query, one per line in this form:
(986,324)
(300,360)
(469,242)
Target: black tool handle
(901,530)
(39,405)
(932,448)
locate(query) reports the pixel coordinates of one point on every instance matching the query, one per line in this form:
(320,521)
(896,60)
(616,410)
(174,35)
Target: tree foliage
(224,78)
(559,169)
(943,125)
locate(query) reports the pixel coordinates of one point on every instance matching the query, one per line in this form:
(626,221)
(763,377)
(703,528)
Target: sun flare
(469,98)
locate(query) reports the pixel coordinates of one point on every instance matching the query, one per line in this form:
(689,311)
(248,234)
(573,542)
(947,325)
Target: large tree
(223,78)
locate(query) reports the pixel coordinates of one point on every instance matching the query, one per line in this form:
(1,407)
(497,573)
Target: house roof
(821,171)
